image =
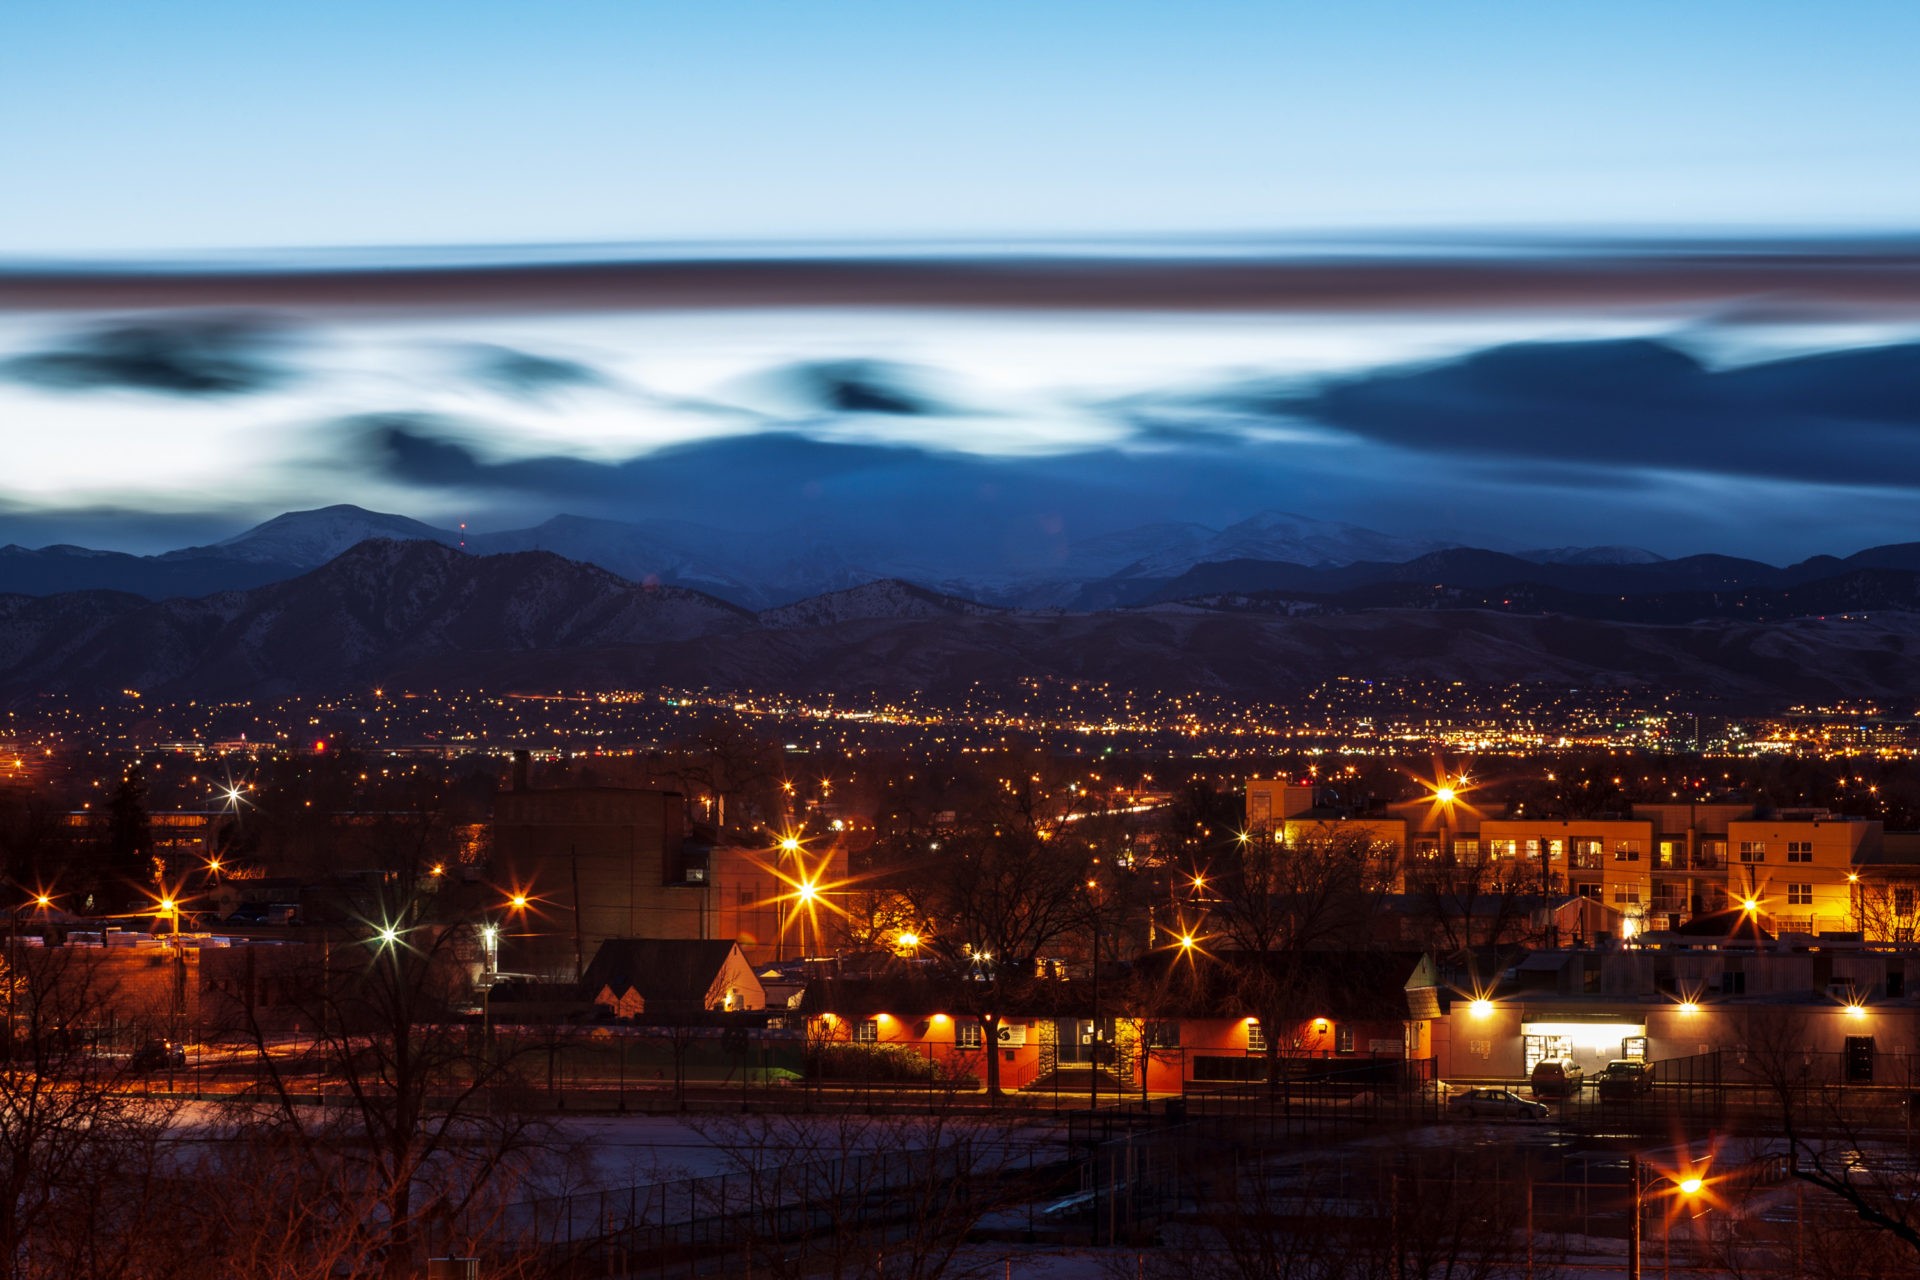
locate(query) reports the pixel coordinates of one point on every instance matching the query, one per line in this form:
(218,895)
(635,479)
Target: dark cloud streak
(1815,278)
(185,356)
(1843,418)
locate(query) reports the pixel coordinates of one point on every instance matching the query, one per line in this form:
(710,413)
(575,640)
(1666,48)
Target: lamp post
(1093,1096)
(1689,1186)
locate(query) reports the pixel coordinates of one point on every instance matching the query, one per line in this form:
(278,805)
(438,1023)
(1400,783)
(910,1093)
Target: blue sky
(252,136)
(198,125)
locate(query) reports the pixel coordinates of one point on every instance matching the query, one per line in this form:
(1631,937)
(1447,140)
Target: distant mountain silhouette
(418,614)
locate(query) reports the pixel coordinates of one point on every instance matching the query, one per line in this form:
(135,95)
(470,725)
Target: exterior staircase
(1074,1077)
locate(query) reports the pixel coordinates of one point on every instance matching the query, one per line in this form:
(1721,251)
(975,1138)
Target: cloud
(197,357)
(522,373)
(1845,418)
(864,386)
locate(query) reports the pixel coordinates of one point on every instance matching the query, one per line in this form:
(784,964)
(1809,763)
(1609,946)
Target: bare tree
(84,1174)
(1840,1140)
(995,898)
(425,1130)
(1277,900)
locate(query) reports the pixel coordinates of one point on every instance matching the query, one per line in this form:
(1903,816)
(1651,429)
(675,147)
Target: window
(1343,1038)
(968,1035)
(1256,1038)
(1624,895)
(1502,848)
(1799,851)
(1799,895)
(1626,851)
(1467,851)
(1733,983)
(867,1032)
(1588,891)
(1903,902)
(1586,853)
(1163,1035)
(1753,851)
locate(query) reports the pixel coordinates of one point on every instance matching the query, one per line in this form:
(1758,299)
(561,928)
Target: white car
(1475,1104)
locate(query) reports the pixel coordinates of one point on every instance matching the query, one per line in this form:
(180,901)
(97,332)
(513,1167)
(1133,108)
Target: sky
(1065,254)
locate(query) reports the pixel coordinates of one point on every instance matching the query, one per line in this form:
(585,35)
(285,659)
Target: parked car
(1557,1078)
(156,1055)
(1624,1078)
(1476,1104)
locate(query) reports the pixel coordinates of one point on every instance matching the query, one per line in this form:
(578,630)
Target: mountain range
(418,614)
(752,569)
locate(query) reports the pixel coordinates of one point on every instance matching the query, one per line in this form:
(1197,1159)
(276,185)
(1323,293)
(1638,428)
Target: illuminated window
(969,1035)
(1343,1038)
(867,1032)
(1256,1038)
(1626,851)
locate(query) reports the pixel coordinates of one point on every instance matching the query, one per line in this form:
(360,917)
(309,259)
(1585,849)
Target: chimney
(521,759)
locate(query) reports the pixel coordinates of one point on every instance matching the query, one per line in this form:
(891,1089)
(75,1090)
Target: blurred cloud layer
(984,281)
(1761,399)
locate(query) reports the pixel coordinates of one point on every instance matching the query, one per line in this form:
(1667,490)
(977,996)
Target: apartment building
(1658,867)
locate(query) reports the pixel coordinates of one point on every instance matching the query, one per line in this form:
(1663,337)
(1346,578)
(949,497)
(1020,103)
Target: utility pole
(1093,1099)
(579,964)
(1633,1225)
